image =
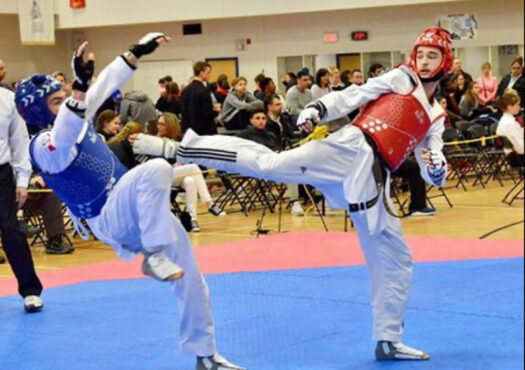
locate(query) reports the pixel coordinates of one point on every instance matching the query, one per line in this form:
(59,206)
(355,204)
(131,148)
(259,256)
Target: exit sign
(330,37)
(359,35)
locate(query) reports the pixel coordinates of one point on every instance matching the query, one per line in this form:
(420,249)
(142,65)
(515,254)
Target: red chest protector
(397,124)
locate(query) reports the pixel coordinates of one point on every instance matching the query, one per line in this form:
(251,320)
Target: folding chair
(175,206)
(454,155)
(234,192)
(396,189)
(34,218)
(514,165)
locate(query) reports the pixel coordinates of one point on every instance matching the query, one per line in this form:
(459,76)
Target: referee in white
(15,169)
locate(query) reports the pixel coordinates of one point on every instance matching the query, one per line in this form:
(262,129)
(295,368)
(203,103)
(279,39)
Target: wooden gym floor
(476,212)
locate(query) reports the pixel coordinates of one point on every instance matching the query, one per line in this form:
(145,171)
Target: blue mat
(467,315)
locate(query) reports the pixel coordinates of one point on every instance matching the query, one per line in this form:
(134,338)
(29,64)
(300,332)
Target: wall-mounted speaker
(192,29)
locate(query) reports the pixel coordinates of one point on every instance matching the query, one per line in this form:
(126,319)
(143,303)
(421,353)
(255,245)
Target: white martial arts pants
(137,217)
(190,178)
(341,166)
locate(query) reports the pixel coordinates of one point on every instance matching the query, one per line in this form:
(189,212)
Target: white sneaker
(195,226)
(392,351)
(160,267)
(33,303)
(216,362)
(297,209)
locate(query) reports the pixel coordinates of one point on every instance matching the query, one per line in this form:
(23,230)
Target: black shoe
(216,362)
(395,351)
(57,245)
(28,230)
(2,259)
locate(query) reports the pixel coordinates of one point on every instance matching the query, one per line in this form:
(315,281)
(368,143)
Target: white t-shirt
(511,129)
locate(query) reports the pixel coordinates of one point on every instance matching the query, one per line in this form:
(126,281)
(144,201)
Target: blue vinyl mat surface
(467,315)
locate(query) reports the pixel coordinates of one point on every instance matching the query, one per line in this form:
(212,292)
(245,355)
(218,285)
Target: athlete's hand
(82,70)
(38,182)
(308,118)
(147,44)
(21,196)
(433,159)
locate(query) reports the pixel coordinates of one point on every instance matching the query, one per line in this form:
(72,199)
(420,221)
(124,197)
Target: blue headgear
(117,96)
(31,99)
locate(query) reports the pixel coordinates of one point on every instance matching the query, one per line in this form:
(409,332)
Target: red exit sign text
(359,35)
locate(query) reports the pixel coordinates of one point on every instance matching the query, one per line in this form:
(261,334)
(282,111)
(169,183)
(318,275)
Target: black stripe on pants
(13,239)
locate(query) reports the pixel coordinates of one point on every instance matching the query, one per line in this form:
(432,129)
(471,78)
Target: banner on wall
(37,22)
(460,26)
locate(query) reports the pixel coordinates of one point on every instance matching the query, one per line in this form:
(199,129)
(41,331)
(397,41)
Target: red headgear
(439,38)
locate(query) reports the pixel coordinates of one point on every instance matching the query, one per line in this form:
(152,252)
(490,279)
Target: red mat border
(285,251)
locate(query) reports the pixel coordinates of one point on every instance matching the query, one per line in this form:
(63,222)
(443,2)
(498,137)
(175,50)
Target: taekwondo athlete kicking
(128,210)
(399,115)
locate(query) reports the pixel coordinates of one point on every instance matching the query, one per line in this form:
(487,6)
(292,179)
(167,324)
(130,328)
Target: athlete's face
(475,88)
(258,121)
(162,127)
(2,71)
(514,109)
(325,80)
(516,69)
(358,78)
(240,87)
(112,127)
(428,60)
(205,75)
(443,103)
(276,108)
(55,100)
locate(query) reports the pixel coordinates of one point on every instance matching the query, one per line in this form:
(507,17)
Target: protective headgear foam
(439,38)
(31,99)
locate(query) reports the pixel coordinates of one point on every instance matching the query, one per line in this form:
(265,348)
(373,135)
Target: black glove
(82,72)
(146,45)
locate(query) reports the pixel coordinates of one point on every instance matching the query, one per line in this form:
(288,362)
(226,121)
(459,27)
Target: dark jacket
(197,109)
(262,137)
(282,130)
(172,106)
(519,86)
(124,152)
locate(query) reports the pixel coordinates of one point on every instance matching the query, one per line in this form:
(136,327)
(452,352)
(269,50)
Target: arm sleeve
(19,144)
(110,80)
(341,103)
(67,127)
(464,108)
(502,86)
(238,104)
(434,142)
(124,111)
(292,102)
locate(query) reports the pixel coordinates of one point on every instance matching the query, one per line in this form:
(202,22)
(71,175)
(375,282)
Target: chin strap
(436,77)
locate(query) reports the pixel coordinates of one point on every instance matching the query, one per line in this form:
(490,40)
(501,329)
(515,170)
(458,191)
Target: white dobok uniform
(341,167)
(136,216)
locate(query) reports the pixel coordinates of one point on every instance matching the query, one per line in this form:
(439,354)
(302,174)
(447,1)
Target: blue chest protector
(85,184)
